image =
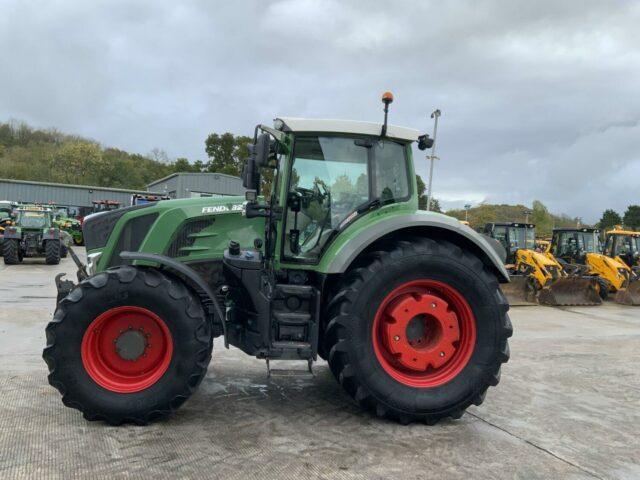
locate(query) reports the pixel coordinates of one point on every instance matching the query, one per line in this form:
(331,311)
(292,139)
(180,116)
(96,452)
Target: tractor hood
(191,230)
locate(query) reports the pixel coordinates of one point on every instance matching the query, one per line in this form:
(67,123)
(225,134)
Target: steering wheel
(316,223)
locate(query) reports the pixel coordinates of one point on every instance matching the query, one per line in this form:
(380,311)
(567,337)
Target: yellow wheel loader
(536,276)
(581,247)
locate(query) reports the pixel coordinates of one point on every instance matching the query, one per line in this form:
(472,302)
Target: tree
(227,153)
(435,205)
(76,161)
(541,217)
(632,217)
(610,218)
(422,198)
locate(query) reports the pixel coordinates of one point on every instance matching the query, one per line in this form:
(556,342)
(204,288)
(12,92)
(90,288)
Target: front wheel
(128,345)
(11,251)
(418,331)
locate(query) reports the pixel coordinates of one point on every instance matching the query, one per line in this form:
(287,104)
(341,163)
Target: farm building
(189,185)
(81,197)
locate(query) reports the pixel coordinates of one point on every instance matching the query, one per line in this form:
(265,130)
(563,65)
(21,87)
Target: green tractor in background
(65,222)
(32,234)
(404,305)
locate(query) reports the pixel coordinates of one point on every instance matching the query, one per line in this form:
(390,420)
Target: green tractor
(32,234)
(404,305)
(65,222)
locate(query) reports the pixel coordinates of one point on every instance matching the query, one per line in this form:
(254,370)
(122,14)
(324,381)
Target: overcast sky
(540,100)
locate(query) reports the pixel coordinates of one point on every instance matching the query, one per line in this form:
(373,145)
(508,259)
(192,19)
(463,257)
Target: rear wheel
(10,252)
(128,345)
(52,252)
(64,251)
(418,331)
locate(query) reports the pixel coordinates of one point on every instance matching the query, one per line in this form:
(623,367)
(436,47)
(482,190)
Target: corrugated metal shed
(61,194)
(185,185)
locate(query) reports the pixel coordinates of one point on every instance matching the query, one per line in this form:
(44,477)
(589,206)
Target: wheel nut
(442,354)
(433,305)
(396,338)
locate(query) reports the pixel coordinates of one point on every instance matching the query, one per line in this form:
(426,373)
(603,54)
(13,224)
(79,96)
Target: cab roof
(317,125)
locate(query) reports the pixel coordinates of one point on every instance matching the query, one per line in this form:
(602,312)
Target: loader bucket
(571,291)
(629,295)
(519,291)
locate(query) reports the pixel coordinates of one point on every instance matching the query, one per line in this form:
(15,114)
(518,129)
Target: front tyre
(128,345)
(11,251)
(418,331)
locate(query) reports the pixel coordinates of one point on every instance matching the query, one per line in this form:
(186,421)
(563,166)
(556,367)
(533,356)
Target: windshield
(626,244)
(573,243)
(33,219)
(334,177)
(62,212)
(522,237)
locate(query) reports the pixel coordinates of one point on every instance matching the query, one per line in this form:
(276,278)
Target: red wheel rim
(424,333)
(127,349)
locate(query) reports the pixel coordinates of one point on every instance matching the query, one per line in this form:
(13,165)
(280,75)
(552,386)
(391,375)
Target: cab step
(291,372)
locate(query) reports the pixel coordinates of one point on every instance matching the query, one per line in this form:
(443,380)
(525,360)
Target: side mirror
(262,149)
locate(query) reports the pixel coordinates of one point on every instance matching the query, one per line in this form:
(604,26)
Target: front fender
(341,254)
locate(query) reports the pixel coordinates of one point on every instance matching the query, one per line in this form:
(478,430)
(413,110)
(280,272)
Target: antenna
(387,98)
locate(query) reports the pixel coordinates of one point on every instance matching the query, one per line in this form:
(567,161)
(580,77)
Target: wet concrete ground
(568,406)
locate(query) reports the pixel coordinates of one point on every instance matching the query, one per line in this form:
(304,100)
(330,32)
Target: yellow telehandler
(581,247)
(536,276)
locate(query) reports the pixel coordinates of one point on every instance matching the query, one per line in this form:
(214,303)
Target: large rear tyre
(52,252)
(128,345)
(418,331)
(10,252)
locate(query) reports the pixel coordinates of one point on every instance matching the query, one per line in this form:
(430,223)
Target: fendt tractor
(404,305)
(32,234)
(536,276)
(581,246)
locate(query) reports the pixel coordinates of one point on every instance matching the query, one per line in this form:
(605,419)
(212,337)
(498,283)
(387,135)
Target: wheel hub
(131,344)
(424,333)
(127,349)
(420,331)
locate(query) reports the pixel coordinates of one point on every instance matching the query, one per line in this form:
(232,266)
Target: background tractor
(404,305)
(536,276)
(65,222)
(581,246)
(32,234)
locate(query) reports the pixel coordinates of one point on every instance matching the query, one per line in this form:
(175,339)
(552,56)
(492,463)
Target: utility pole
(466,212)
(435,115)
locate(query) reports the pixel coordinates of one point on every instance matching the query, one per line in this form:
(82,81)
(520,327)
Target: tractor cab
(513,236)
(573,244)
(623,244)
(328,174)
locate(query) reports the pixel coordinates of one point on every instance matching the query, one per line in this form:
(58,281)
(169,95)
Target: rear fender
(338,258)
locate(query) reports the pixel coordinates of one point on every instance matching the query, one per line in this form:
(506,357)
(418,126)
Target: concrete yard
(568,406)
